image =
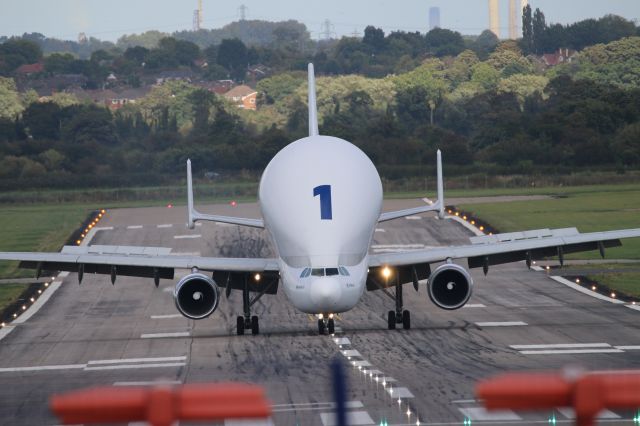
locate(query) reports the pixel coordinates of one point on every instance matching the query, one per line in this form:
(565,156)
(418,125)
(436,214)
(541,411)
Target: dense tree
(43,120)
(374,38)
(441,42)
(15,52)
(527,30)
(10,106)
(233,55)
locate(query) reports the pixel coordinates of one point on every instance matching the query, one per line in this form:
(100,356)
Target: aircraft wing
(150,262)
(511,247)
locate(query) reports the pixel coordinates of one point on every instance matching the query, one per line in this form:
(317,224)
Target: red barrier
(162,405)
(588,394)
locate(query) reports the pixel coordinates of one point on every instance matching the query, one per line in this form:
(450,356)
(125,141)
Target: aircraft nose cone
(326,293)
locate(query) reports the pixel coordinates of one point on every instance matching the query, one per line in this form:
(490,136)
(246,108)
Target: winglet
(440,186)
(313,110)
(191,223)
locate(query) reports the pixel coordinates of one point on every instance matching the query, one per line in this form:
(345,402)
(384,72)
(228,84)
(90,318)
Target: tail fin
(313,110)
(440,186)
(191,223)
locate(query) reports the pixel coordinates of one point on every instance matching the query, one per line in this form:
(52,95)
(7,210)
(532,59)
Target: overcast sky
(109,19)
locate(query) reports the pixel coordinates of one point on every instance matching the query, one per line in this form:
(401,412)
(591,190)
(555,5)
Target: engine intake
(450,286)
(196,296)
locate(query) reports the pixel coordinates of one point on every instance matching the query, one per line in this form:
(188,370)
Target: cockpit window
(331,271)
(343,271)
(317,272)
(305,272)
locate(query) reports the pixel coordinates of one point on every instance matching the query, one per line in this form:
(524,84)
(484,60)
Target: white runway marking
(481,414)
(342,341)
(380,230)
(166,225)
(464,401)
(361,363)
(573,351)
(4,331)
(628,348)
(400,392)
(166,316)
(569,413)
(163,335)
(149,383)
(180,237)
(500,323)
(199,224)
(130,366)
(44,297)
(351,352)
(168,289)
(103,228)
(634,307)
(134,360)
(42,368)
(562,346)
(393,246)
(247,422)
(185,253)
(584,290)
(353,418)
(413,217)
(311,406)
(134,227)
(474,305)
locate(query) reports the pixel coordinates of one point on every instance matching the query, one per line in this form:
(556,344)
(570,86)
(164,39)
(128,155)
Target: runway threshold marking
(501,323)
(353,418)
(163,335)
(570,414)
(481,414)
(313,406)
(562,346)
(181,237)
(572,351)
(629,348)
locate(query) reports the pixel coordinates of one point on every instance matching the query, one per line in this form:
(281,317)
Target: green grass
(595,209)
(625,282)
(9,293)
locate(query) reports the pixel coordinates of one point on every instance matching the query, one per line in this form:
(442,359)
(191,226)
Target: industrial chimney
(494,17)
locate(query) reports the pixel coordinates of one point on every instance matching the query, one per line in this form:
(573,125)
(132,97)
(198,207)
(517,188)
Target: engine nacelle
(196,296)
(450,286)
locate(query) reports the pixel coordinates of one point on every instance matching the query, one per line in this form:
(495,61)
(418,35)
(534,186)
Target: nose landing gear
(326,324)
(400,315)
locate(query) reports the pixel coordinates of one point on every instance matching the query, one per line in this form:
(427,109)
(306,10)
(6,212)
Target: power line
(243,12)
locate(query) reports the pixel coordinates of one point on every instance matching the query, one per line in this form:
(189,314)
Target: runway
(131,334)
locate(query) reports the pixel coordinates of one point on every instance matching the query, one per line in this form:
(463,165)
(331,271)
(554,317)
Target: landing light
(386,272)
(330,316)
(613,295)
(233,203)
(577,280)
(482,228)
(257,277)
(24,307)
(320,316)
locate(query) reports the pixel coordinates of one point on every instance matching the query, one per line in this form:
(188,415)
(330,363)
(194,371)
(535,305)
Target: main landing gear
(400,315)
(248,321)
(326,324)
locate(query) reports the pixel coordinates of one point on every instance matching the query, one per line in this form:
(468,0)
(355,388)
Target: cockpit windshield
(321,272)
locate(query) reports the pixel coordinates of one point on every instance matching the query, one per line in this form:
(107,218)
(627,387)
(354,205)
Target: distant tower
(197,17)
(243,12)
(513,20)
(327,30)
(82,38)
(434,18)
(494,17)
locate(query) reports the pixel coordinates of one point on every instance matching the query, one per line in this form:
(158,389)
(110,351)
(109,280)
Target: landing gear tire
(240,326)
(331,326)
(406,320)
(255,326)
(321,327)
(391,320)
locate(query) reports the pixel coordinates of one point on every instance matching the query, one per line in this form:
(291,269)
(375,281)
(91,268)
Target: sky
(110,19)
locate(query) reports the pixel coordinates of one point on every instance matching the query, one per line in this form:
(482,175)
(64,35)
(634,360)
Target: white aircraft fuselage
(321,198)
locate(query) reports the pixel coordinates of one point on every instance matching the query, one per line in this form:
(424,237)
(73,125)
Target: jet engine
(450,286)
(196,296)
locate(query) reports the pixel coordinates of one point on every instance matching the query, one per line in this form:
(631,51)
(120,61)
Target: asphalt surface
(99,334)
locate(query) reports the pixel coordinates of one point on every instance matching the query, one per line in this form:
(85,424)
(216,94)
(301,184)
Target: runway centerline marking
(562,346)
(181,237)
(149,383)
(501,323)
(413,217)
(166,316)
(134,360)
(134,227)
(130,366)
(474,305)
(572,351)
(163,335)
(629,348)
(166,225)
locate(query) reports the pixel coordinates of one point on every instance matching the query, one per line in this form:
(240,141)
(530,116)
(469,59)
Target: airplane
(320,199)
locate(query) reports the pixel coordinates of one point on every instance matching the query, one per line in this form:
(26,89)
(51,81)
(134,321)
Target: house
(180,75)
(559,57)
(243,96)
(30,69)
